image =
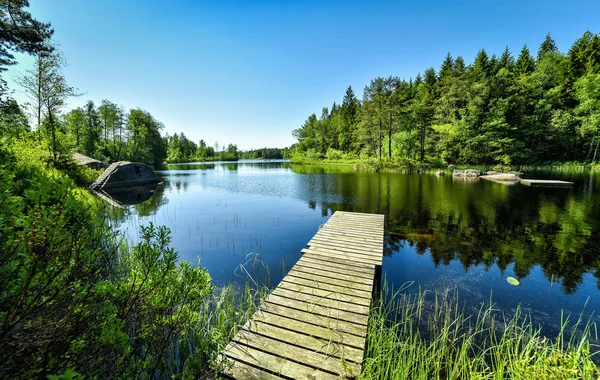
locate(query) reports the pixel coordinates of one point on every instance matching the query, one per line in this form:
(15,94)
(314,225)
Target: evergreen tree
(548,46)
(525,63)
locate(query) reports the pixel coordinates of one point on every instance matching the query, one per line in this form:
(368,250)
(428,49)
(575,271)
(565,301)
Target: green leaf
(513,281)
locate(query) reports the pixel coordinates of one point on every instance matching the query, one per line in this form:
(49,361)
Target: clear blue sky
(249,72)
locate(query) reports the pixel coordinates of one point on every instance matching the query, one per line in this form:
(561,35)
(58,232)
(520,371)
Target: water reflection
(439,231)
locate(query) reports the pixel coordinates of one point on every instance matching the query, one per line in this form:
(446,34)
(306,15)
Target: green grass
(428,336)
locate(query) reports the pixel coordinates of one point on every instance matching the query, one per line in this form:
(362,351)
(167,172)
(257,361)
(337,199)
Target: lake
(249,220)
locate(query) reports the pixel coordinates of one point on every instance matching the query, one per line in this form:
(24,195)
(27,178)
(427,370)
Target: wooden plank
(372,251)
(352,232)
(357,216)
(324,258)
(328,280)
(369,237)
(317,345)
(360,242)
(349,248)
(546,183)
(307,296)
(311,307)
(343,277)
(338,254)
(333,324)
(356,226)
(356,271)
(328,333)
(275,363)
(242,371)
(313,263)
(328,287)
(300,288)
(373,238)
(298,354)
(314,324)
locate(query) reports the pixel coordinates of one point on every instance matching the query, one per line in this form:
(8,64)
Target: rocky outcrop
(90,162)
(125,174)
(440,173)
(502,177)
(467,173)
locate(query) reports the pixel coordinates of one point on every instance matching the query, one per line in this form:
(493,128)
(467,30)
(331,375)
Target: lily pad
(513,281)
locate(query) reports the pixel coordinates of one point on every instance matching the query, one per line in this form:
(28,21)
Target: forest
(496,111)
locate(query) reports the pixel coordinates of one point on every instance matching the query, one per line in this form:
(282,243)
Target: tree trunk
(589,153)
(380,138)
(596,152)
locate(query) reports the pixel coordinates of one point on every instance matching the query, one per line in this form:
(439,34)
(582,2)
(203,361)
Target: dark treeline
(267,154)
(497,110)
(182,149)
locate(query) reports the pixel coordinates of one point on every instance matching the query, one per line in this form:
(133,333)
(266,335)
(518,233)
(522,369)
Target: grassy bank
(404,165)
(428,336)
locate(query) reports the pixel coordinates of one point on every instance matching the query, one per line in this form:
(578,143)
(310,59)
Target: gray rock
(440,173)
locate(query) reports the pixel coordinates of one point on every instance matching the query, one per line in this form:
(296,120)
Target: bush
(72,299)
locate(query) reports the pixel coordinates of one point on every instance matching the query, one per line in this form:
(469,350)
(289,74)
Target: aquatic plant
(427,335)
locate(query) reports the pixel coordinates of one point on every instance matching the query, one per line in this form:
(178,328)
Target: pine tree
(525,63)
(548,46)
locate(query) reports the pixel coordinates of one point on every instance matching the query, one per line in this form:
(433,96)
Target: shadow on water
(131,195)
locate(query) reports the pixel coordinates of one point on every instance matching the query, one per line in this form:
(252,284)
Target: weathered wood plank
(330,332)
(332,270)
(325,294)
(338,254)
(351,232)
(314,324)
(359,240)
(355,227)
(349,245)
(328,280)
(345,235)
(335,325)
(297,354)
(312,343)
(367,252)
(275,363)
(243,371)
(311,307)
(307,296)
(324,273)
(325,286)
(341,268)
(324,258)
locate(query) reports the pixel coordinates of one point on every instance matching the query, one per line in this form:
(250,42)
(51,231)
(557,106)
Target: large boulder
(467,173)
(440,173)
(502,177)
(124,174)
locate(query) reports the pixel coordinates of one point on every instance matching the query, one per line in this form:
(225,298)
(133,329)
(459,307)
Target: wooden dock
(546,183)
(314,324)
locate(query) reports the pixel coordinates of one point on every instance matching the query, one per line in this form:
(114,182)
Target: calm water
(252,218)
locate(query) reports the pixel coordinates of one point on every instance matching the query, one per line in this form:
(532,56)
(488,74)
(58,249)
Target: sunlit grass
(427,335)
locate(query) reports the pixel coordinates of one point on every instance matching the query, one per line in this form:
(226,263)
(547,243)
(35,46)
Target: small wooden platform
(546,183)
(314,324)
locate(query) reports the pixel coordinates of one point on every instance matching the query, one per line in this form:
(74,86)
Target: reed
(427,335)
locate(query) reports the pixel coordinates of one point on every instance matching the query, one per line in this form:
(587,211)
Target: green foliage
(497,111)
(428,336)
(266,153)
(73,300)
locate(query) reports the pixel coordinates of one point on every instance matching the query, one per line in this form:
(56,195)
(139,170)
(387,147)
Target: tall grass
(199,354)
(427,335)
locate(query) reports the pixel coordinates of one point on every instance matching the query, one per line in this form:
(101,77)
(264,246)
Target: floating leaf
(513,281)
